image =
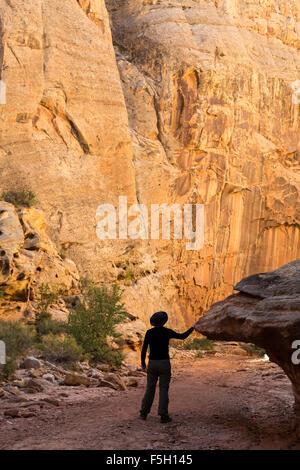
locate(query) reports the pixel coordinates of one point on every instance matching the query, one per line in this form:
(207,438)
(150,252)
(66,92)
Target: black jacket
(158,340)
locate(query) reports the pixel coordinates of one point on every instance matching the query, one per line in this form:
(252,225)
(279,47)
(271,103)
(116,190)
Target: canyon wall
(178,101)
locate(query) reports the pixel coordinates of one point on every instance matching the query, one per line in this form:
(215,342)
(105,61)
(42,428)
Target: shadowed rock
(265,312)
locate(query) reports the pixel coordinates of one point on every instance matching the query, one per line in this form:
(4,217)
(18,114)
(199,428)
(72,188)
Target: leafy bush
(253,350)
(198,343)
(60,349)
(95,318)
(47,297)
(18,339)
(24,198)
(45,325)
(127,275)
(200,354)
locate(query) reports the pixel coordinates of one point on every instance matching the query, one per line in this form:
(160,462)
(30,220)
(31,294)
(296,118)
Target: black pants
(162,369)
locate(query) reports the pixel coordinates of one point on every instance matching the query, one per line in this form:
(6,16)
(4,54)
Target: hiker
(159,364)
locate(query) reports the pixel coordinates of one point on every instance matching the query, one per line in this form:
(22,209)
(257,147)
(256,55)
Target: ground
(216,403)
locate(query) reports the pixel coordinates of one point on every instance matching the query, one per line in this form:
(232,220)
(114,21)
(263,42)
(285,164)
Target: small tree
(44,323)
(95,318)
(24,198)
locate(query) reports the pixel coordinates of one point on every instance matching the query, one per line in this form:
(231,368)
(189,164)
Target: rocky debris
(219,349)
(12,413)
(27,414)
(20,413)
(84,366)
(31,390)
(74,379)
(103,367)
(95,374)
(34,385)
(131,382)
(49,377)
(107,383)
(32,363)
(266,312)
(13,392)
(53,401)
(117,380)
(113,381)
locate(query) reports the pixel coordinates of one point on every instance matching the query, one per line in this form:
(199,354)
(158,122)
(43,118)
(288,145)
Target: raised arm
(144,350)
(184,335)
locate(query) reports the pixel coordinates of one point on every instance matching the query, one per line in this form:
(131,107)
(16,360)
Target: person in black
(159,364)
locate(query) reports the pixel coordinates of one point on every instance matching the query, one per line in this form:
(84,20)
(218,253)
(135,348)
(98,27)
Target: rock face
(133,334)
(64,129)
(266,312)
(196,109)
(28,259)
(208,91)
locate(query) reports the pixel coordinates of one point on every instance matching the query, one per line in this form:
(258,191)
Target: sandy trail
(216,403)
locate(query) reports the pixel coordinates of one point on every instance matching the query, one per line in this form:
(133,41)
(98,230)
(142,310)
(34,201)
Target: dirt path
(216,403)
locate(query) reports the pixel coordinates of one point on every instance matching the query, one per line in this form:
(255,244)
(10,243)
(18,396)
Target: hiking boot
(165,419)
(143,416)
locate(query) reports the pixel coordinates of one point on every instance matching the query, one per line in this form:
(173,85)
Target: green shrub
(62,349)
(127,274)
(253,350)
(198,343)
(24,198)
(45,325)
(47,296)
(18,339)
(200,354)
(95,318)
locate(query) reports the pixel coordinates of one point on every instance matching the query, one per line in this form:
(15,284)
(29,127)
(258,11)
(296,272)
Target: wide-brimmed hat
(159,319)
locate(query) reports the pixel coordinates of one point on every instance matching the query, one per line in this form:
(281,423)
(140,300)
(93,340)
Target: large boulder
(266,312)
(74,379)
(31,362)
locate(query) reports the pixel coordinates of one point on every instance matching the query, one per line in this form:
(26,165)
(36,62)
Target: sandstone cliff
(196,109)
